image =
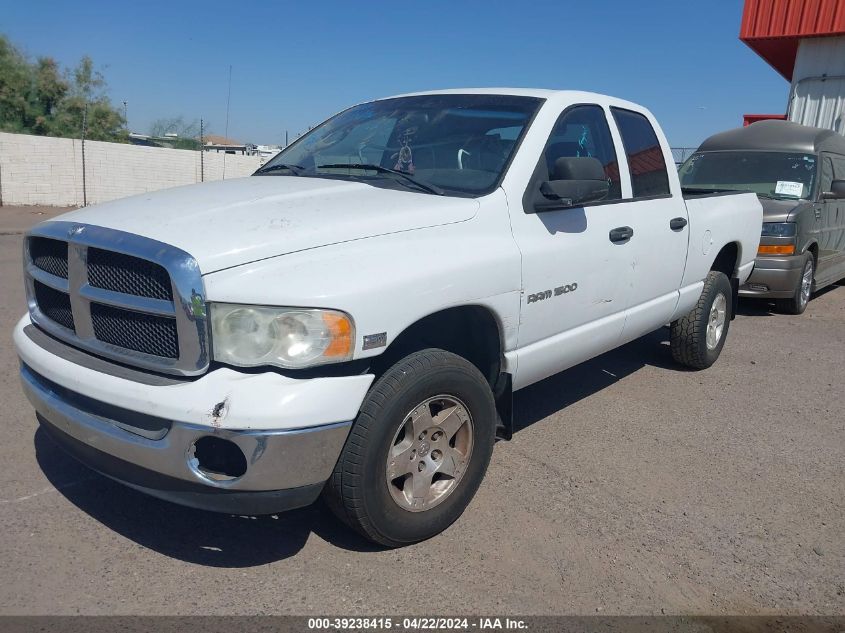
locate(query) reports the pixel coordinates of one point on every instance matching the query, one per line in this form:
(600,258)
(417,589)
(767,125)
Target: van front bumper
(283,468)
(774,277)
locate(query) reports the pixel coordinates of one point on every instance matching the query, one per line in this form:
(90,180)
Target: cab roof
(782,136)
(553,96)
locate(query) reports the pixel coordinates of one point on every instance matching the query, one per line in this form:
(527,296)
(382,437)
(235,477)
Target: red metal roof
(773,28)
(748,119)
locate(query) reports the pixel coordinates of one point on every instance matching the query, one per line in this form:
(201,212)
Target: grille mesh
(54,304)
(127,274)
(147,333)
(49,255)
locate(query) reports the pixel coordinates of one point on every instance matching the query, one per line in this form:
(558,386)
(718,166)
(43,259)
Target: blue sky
(295,63)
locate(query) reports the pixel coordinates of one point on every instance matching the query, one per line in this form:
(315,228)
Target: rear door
(659,220)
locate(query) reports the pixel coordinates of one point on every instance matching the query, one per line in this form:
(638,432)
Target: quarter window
(645,156)
(826,174)
(583,131)
(838,167)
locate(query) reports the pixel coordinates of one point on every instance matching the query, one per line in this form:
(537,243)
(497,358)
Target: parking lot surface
(631,487)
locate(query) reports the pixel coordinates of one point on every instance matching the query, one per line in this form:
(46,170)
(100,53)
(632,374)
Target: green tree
(38,98)
(15,88)
(50,90)
(187,133)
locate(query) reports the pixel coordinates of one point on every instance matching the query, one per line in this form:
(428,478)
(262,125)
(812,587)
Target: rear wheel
(418,450)
(797,303)
(698,337)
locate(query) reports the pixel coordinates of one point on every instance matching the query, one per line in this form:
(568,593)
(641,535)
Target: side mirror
(837,191)
(576,181)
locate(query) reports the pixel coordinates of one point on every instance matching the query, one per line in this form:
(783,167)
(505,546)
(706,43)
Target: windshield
(446,143)
(786,175)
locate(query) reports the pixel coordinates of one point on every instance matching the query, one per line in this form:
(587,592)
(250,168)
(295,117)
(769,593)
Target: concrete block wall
(41,170)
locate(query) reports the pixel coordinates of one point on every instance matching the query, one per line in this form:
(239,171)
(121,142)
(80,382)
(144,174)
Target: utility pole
(84,188)
(286,138)
(202,153)
(125,117)
(226,133)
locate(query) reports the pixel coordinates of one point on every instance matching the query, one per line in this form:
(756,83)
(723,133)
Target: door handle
(621,234)
(677,224)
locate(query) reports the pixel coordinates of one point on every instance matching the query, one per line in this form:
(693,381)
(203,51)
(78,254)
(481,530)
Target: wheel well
(727,260)
(814,249)
(468,331)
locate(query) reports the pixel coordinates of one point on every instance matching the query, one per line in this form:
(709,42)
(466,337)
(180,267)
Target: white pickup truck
(353,319)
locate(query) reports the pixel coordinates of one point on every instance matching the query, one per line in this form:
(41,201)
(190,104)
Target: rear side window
(838,166)
(645,156)
(583,131)
(827,174)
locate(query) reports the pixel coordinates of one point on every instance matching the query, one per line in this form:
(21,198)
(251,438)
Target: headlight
(778,229)
(293,338)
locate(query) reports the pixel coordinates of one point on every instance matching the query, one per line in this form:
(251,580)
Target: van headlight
(778,229)
(293,338)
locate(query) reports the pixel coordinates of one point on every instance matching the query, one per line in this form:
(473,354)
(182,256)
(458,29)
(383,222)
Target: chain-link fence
(680,154)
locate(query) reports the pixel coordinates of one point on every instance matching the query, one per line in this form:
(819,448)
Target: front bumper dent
(285,469)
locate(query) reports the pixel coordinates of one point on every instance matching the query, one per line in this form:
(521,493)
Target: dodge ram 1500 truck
(353,319)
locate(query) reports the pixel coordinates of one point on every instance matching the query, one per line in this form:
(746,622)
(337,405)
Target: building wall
(48,171)
(814,100)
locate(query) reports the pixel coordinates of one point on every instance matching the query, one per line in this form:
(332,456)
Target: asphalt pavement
(630,487)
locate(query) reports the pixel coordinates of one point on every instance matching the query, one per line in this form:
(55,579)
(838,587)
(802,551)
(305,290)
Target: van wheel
(417,451)
(797,303)
(697,338)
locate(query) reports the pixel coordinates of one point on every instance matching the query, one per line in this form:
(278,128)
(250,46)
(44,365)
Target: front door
(575,279)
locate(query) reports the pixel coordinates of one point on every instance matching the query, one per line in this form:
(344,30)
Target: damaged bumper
(165,450)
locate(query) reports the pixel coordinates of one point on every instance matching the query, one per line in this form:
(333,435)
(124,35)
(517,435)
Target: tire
(369,488)
(689,334)
(797,303)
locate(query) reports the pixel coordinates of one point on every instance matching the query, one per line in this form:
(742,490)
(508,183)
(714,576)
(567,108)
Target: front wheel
(697,338)
(418,450)
(797,303)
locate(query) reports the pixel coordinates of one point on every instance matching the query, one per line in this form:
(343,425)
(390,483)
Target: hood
(780,210)
(232,222)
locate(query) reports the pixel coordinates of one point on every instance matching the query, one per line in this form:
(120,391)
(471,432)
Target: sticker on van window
(788,188)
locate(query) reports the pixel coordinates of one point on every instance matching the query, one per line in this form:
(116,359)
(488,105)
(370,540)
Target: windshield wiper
(427,186)
(296,169)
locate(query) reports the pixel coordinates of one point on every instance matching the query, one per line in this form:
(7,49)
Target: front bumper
(774,277)
(284,467)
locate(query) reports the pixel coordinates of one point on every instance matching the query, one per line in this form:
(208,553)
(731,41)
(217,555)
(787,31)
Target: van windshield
(780,175)
(454,143)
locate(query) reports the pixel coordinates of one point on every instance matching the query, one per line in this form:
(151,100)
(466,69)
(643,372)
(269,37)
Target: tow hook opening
(217,459)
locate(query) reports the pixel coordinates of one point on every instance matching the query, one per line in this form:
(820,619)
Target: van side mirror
(576,181)
(837,191)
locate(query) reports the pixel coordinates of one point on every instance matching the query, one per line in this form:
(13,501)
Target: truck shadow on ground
(229,541)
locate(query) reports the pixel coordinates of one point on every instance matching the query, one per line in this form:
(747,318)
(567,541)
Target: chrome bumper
(284,469)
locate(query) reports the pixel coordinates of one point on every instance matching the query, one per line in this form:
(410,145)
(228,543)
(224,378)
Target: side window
(826,174)
(583,131)
(645,156)
(838,167)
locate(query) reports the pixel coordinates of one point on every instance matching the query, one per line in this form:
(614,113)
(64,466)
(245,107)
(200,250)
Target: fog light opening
(217,459)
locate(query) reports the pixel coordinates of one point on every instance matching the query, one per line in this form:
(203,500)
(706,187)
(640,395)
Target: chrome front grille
(49,255)
(127,274)
(148,333)
(118,295)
